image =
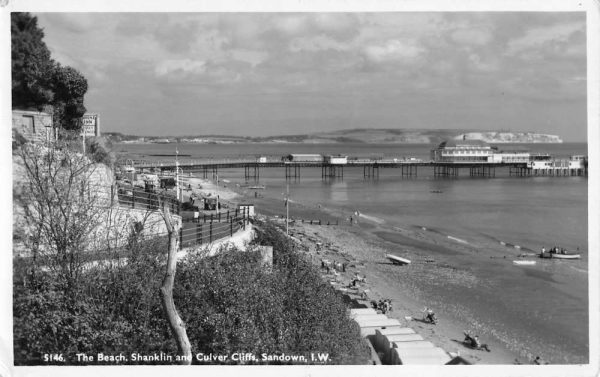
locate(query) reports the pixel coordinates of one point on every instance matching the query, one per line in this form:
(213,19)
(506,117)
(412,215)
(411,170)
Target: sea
(535,310)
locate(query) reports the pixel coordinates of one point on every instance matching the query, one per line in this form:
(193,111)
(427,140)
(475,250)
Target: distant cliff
(360,135)
(510,137)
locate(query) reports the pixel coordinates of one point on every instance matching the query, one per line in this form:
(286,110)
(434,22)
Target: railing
(132,197)
(212,228)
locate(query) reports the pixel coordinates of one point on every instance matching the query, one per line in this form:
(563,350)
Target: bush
(232,304)
(99,150)
(116,309)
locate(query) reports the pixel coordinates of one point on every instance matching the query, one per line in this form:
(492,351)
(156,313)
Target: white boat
(566,256)
(397,260)
(560,256)
(524,262)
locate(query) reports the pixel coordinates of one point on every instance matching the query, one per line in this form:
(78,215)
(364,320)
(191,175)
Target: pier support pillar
(292,171)
(408,170)
(332,171)
(251,171)
(371,171)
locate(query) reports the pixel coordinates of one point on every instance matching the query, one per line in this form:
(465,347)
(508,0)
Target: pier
(371,169)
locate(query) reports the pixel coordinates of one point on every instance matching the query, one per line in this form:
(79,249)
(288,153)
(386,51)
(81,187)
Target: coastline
(445,274)
(363,245)
(360,246)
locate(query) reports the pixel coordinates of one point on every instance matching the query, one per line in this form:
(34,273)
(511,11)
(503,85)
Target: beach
(462,236)
(447,274)
(363,252)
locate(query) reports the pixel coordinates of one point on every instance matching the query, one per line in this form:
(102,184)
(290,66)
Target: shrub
(117,309)
(232,304)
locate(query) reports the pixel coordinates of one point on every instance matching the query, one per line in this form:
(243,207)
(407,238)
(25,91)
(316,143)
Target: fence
(201,230)
(197,231)
(131,197)
(206,232)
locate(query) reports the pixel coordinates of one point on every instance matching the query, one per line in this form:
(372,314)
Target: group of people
(555,250)
(384,305)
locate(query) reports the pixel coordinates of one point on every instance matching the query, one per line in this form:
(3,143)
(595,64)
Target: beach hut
(380,334)
(418,356)
(368,327)
(363,317)
(362,311)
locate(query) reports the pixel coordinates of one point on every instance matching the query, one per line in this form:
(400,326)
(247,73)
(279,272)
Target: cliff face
(510,137)
(413,136)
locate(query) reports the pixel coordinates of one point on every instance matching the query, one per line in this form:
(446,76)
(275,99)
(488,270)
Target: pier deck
(370,168)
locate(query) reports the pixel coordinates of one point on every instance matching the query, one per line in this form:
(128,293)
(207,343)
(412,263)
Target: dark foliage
(39,82)
(235,305)
(230,303)
(31,64)
(117,309)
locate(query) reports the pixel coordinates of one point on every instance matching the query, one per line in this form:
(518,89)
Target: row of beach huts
(395,344)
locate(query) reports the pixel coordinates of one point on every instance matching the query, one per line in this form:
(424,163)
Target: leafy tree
(31,63)
(69,87)
(39,82)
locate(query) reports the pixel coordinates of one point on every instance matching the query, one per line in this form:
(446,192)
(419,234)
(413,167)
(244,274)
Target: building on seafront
(463,151)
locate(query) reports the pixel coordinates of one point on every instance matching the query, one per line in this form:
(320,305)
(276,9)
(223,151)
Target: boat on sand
(397,260)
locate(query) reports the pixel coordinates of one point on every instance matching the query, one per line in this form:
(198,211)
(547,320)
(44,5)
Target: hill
(359,135)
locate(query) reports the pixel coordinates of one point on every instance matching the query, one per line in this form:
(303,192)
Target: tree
(31,63)
(176,324)
(69,87)
(39,82)
(60,208)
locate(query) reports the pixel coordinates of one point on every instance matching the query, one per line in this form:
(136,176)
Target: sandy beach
(206,187)
(437,277)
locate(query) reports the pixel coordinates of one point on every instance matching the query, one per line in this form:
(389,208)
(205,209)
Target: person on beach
(430,315)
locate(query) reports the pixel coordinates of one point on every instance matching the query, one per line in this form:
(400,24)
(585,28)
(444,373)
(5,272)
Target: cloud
(72,22)
(393,50)
(545,37)
(182,67)
(471,36)
(317,43)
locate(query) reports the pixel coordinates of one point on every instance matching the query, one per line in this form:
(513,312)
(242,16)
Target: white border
(591,7)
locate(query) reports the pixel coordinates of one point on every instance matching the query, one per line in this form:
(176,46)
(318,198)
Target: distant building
(303,158)
(463,151)
(336,160)
(35,126)
(261,159)
(578,162)
(511,157)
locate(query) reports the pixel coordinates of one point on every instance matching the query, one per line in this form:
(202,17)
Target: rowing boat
(524,262)
(560,256)
(396,259)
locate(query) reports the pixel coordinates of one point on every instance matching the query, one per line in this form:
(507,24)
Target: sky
(259,74)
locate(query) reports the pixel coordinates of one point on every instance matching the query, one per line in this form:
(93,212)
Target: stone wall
(35,126)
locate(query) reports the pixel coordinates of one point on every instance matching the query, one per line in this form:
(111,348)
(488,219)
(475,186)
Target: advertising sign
(90,125)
